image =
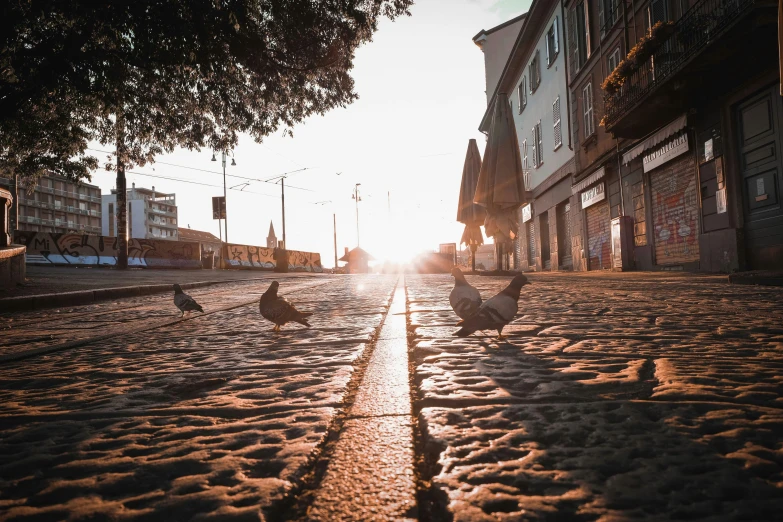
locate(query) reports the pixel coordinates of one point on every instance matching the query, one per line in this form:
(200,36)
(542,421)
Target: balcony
(681,75)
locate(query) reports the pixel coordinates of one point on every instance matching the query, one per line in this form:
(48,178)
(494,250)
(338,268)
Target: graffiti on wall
(675,218)
(246,256)
(304,261)
(45,248)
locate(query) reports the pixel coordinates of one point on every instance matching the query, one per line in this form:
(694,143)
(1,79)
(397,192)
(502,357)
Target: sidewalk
(51,280)
(48,287)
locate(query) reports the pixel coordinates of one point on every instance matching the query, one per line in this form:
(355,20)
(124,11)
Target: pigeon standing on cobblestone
(464,298)
(280,311)
(184,302)
(496,312)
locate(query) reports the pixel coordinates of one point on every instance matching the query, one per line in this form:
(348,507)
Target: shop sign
(527,213)
(593,195)
(670,150)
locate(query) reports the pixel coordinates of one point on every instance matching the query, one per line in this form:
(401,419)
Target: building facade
(534,78)
(57,205)
(678,159)
(496,44)
(151,214)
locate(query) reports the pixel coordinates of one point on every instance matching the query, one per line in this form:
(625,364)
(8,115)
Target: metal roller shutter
(675,211)
(531,243)
(598,236)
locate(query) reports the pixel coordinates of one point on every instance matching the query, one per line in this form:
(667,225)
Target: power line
(227,174)
(206,185)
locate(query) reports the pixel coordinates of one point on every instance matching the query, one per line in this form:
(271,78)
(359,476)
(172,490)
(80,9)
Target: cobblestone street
(619,396)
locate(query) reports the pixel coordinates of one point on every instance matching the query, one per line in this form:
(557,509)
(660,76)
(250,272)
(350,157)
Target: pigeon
(184,302)
(496,312)
(280,311)
(464,299)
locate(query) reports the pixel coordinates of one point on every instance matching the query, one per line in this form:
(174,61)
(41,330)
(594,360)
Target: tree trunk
(122,199)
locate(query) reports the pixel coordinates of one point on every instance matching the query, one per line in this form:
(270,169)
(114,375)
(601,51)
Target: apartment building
(58,205)
(151,214)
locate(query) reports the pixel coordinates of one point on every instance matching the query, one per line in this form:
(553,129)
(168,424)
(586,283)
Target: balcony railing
(700,25)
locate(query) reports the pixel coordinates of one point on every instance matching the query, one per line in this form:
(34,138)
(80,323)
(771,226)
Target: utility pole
(282,197)
(334,218)
(233,164)
(357,199)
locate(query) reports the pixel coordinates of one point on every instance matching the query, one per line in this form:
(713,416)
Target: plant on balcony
(637,56)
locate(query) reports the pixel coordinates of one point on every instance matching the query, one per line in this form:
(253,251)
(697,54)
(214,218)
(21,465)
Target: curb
(760,279)
(82,297)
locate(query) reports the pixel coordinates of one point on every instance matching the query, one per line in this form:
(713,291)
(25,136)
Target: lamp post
(233,164)
(334,221)
(357,198)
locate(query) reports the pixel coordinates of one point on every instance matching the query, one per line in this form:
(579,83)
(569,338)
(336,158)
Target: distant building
(358,261)
(271,239)
(151,215)
(209,243)
(485,257)
(58,205)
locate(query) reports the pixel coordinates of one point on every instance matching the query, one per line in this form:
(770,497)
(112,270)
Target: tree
(148,76)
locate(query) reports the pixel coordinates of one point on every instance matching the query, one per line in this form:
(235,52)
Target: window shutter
(573,51)
(586,7)
(557,132)
(548,39)
(601,16)
(556,37)
(540,143)
(535,151)
(524,154)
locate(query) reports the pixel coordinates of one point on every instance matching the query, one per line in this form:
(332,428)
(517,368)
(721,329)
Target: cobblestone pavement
(616,398)
(167,419)
(647,397)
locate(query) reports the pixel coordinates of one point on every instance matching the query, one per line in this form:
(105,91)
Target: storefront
(592,197)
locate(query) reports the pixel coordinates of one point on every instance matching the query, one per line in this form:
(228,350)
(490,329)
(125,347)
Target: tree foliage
(150,75)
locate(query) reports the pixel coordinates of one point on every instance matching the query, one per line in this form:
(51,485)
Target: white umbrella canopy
(501,184)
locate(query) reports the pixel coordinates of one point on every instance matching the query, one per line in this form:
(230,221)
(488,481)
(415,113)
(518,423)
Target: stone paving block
(370,476)
(610,460)
(160,468)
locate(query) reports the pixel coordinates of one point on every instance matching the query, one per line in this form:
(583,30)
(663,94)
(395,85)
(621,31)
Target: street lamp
(357,198)
(233,164)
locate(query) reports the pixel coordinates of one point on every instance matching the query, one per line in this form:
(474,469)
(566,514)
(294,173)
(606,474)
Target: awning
(666,132)
(589,180)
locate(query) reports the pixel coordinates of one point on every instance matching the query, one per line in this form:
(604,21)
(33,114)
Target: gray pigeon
(280,311)
(496,312)
(464,299)
(184,302)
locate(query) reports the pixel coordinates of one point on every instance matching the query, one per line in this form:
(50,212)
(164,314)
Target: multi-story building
(151,214)
(58,205)
(677,117)
(534,79)
(496,44)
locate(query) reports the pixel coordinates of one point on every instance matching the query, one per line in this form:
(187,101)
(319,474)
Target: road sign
(218,207)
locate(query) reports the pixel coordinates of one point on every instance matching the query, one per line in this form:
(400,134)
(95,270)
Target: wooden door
(761,169)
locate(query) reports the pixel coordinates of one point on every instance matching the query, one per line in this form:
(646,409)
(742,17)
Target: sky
(421,98)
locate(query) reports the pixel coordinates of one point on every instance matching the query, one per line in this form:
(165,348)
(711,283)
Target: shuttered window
(587,109)
(525,164)
(535,72)
(552,43)
(522,95)
(557,131)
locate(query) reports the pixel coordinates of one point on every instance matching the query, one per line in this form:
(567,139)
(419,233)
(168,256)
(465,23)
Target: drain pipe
(620,178)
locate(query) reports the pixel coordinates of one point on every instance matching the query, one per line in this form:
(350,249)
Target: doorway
(761,172)
(543,221)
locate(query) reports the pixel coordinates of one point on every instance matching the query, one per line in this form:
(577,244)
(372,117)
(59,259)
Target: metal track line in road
(370,475)
(134,329)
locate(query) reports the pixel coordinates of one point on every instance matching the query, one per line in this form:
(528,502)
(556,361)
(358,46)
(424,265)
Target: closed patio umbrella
(468,212)
(501,186)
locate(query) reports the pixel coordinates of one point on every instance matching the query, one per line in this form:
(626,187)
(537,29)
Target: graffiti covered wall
(83,250)
(246,256)
(675,212)
(304,261)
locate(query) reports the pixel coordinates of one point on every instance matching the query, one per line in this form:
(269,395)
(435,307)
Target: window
(535,72)
(614,60)
(587,109)
(525,164)
(579,35)
(538,149)
(552,43)
(522,95)
(657,11)
(558,132)
(608,14)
